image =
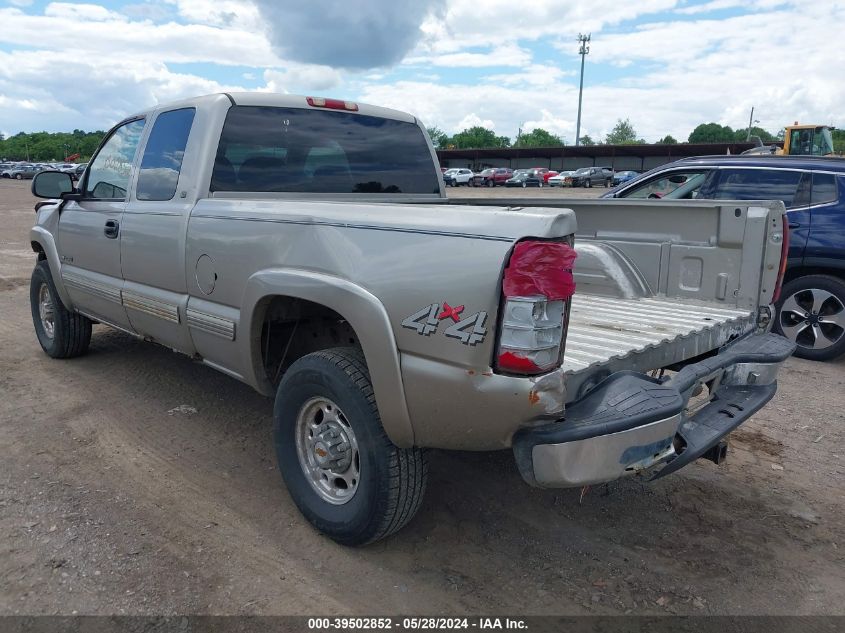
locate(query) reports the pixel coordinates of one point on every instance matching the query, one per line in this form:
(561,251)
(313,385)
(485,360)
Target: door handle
(111,229)
(794,225)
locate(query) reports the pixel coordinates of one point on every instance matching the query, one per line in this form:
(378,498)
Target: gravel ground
(117,499)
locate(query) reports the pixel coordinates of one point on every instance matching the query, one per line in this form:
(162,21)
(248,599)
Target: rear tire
(811,313)
(18,177)
(342,440)
(490,183)
(588,184)
(61,333)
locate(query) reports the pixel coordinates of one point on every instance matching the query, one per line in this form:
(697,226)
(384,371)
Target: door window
(162,161)
(686,183)
(109,172)
(758,184)
(824,189)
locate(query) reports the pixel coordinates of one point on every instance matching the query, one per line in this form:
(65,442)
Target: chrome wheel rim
(813,318)
(46,311)
(327,450)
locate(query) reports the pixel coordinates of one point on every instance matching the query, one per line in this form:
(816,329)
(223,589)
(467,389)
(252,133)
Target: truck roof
(272,99)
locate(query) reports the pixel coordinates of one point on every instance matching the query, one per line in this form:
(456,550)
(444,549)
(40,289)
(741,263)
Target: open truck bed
(659,282)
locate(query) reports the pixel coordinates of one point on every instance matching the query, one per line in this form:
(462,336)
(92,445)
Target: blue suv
(811,307)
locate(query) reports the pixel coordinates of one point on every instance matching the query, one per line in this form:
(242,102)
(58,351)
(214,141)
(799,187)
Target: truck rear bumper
(631,422)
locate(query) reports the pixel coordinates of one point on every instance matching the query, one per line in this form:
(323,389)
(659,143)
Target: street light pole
(751,122)
(583,40)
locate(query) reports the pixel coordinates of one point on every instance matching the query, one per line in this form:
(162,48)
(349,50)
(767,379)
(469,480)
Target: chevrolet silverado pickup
(305,246)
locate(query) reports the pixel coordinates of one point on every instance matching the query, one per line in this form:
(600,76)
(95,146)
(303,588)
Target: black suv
(589,176)
(811,307)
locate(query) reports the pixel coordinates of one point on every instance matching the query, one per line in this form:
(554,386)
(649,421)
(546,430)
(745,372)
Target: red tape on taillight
(540,268)
(537,284)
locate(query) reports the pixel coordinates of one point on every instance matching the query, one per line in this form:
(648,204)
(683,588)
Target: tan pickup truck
(305,246)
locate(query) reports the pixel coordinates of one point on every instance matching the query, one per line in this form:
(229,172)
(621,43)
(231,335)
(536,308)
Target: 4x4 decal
(470,330)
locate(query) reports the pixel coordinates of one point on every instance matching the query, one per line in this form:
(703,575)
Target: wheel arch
(805,271)
(43,244)
(359,308)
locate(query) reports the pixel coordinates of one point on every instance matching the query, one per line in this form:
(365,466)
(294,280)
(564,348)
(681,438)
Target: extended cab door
(89,230)
(154,227)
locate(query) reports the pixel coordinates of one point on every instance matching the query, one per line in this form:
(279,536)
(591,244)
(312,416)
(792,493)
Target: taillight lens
(537,286)
(784,256)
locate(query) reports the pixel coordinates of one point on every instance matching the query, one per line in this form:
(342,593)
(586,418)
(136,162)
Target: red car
(492,177)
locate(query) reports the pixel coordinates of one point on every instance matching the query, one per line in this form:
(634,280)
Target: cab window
(162,161)
(109,172)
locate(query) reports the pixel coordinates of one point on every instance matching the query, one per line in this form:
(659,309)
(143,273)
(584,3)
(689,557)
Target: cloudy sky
(665,64)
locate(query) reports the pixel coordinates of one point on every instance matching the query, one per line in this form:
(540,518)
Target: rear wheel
(18,177)
(812,314)
(61,333)
(587,183)
(343,472)
(490,182)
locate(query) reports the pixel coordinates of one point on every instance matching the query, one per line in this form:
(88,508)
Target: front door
(89,229)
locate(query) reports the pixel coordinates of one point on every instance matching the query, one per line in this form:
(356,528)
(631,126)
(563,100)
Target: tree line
(49,146)
(623,133)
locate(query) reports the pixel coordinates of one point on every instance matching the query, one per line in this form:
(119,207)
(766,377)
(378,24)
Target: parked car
(811,306)
(561,179)
(624,176)
(8,168)
(589,176)
(457,177)
(492,177)
(26,172)
(547,176)
(389,321)
(525,178)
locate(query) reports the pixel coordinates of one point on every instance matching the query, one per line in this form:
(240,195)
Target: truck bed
(607,334)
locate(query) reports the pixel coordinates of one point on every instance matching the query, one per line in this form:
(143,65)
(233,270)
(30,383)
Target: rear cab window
(274,149)
(162,160)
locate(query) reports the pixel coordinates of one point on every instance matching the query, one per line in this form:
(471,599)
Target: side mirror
(51,184)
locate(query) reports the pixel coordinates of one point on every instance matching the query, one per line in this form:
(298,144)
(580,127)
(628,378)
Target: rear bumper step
(631,422)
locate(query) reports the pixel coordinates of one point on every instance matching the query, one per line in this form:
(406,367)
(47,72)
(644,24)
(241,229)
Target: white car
(558,181)
(458,176)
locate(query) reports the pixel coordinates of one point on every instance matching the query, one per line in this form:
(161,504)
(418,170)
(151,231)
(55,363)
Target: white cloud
(297,78)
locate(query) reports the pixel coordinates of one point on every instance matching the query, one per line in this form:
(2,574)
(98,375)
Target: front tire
(811,313)
(61,333)
(18,177)
(342,471)
(588,184)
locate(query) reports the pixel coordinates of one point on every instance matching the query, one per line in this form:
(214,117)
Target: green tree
(623,133)
(712,133)
(668,140)
(741,135)
(838,141)
(538,137)
(587,140)
(478,137)
(49,146)
(438,137)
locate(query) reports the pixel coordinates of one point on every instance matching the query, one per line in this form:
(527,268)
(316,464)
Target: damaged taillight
(537,285)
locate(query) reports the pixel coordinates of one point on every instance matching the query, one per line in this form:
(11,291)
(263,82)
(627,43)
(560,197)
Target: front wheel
(18,177)
(61,333)
(588,184)
(811,313)
(490,183)
(342,471)
(540,184)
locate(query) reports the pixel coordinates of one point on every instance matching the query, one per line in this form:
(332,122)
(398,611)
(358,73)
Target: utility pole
(751,122)
(584,41)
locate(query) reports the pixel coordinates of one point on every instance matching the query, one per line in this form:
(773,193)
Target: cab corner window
(109,172)
(162,161)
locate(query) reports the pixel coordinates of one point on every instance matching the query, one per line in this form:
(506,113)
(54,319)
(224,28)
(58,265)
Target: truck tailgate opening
(610,334)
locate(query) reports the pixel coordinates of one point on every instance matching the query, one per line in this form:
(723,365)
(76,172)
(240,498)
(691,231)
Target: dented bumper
(631,422)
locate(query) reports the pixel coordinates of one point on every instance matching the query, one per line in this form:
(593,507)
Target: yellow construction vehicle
(799,140)
(807,140)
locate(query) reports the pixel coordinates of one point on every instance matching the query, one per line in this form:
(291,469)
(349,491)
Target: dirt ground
(116,499)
